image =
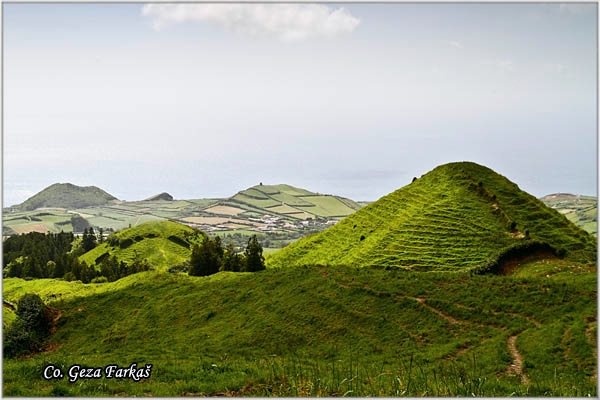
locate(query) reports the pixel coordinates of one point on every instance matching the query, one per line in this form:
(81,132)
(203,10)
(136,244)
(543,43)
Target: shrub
(70,276)
(100,279)
(125,243)
(29,331)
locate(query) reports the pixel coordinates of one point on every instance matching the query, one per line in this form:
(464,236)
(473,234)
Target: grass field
(323,331)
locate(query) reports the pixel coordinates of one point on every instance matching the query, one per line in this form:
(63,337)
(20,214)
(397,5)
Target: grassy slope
(322,331)
(150,241)
(444,220)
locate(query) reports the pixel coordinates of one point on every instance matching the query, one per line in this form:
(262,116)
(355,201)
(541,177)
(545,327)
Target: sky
(204,100)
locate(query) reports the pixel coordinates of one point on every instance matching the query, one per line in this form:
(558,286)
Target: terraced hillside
(322,331)
(581,210)
(162,243)
(459,215)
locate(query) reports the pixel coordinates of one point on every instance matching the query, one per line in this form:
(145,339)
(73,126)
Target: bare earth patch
(516,368)
(225,210)
(41,228)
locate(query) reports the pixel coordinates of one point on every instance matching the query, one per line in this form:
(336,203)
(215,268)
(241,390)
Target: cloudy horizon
(204,100)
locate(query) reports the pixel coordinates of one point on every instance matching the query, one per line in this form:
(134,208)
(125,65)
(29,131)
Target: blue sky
(350,99)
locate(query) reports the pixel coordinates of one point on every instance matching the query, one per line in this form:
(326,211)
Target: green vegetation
(323,331)
(581,210)
(458,216)
(162,244)
(28,332)
(66,195)
(38,255)
(210,257)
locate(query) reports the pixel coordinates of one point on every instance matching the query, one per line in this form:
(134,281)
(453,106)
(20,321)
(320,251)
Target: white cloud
(577,8)
(288,22)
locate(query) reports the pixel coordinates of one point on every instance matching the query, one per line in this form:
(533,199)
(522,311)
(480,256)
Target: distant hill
(460,215)
(581,210)
(162,196)
(66,195)
(265,209)
(295,202)
(162,243)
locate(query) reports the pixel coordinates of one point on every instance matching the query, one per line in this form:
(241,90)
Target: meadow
(323,331)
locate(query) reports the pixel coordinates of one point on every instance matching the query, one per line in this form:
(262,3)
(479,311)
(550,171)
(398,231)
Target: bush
(30,309)
(18,339)
(100,279)
(125,243)
(70,276)
(28,332)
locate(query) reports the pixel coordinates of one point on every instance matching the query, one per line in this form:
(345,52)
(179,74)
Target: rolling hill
(66,195)
(459,215)
(162,243)
(321,331)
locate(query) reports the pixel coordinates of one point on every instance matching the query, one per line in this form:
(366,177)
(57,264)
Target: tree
(231,260)
(89,240)
(100,235)
(206,258)
(110,268)
(253,254)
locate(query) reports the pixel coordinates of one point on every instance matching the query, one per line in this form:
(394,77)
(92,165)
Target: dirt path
(421,301)
(516,368)
(9,305)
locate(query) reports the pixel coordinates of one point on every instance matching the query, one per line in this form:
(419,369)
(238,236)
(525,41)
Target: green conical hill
(162,243)
(459,215)
(67,195)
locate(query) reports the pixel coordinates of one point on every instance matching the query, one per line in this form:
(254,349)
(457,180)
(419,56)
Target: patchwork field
(273,208)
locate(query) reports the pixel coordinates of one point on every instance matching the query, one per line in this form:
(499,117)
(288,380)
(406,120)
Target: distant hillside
(294,202)
(281,212)
(66,195)
(162,243)
(460,215)
(162,196)
(581,210)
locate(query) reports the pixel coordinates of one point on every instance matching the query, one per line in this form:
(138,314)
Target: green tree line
(211,257)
